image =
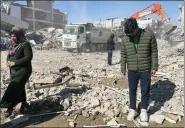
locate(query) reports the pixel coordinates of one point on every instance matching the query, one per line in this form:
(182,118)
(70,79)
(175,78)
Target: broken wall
(41,15)
(44,5)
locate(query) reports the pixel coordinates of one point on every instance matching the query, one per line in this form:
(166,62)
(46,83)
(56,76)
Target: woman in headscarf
(19,62)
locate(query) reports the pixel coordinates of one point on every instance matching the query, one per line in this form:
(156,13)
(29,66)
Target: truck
(84,37)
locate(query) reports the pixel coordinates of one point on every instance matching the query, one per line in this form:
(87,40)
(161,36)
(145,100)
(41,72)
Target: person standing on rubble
(19,62)
(110,48)
(139,54)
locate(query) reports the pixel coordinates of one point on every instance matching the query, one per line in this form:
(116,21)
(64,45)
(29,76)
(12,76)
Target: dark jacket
(110,43)
(22,58)
(144,58)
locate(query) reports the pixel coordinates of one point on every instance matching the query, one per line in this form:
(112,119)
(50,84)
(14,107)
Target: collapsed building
(41,14)
(36,15)
(10,16)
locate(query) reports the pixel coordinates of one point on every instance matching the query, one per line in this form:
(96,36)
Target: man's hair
(130,25)
(112,35)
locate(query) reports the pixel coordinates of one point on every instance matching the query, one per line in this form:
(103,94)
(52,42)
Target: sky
(90,11)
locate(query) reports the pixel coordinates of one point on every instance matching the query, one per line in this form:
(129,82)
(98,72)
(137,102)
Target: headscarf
(20,38)
(19,34)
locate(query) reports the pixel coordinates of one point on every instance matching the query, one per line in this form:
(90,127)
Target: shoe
(143,115)
(132,114)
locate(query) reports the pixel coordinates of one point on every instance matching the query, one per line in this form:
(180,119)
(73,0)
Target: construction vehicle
(165,27)
(85,37)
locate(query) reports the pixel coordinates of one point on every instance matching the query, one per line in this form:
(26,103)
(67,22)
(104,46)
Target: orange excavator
(167,26)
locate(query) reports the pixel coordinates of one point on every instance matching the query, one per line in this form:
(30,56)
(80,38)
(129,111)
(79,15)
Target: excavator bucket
(168,28)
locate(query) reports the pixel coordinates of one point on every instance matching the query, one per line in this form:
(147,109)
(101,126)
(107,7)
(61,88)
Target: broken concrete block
(72,124)
(103,88)
(105,119)
(125,109)
(78,112)
(107,104)
(116,112)
(171,118)
(156,118)
(85,114)
(110,113)
(180,118)
(183,101)
(95,112)
(95,102)
(112,122)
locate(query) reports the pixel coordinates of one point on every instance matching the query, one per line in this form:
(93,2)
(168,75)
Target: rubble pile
(42,39)
(175,36)
(167,49)
(96,100)
(90,97)
(47,38)
(5,40)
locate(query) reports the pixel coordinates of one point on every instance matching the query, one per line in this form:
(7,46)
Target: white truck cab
(74,36)
(84,36)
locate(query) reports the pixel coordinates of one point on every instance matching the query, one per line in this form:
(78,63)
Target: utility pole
(112,19)
(52,14)
(33,3)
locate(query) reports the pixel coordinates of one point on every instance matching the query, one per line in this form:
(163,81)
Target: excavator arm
(157,9)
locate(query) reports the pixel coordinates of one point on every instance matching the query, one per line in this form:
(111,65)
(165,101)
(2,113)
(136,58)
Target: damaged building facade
(41,14)
(38,14)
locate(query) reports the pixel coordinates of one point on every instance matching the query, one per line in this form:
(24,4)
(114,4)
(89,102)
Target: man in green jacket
(139,55)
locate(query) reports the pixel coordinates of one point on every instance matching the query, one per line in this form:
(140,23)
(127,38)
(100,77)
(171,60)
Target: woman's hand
(10,64)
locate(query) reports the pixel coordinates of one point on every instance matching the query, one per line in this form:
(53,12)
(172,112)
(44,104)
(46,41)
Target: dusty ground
(47,60)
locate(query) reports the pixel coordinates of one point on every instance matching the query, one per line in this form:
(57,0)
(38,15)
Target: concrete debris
(159,119)
(48,37)
(171,118)
(98,126)
(175,36)
(72,124)
(5,40)
(42,39)
(95,102)
(85,114)
(96,91)
(112,122)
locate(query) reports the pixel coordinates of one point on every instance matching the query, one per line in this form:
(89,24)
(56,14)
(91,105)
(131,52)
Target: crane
(168,27)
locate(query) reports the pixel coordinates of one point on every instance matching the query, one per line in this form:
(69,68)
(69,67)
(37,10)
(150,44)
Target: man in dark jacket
(139,54)
(110,48)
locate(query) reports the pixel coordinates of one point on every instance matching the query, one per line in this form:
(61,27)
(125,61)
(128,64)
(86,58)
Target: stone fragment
(85,114)
(112,122)
(156,118)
